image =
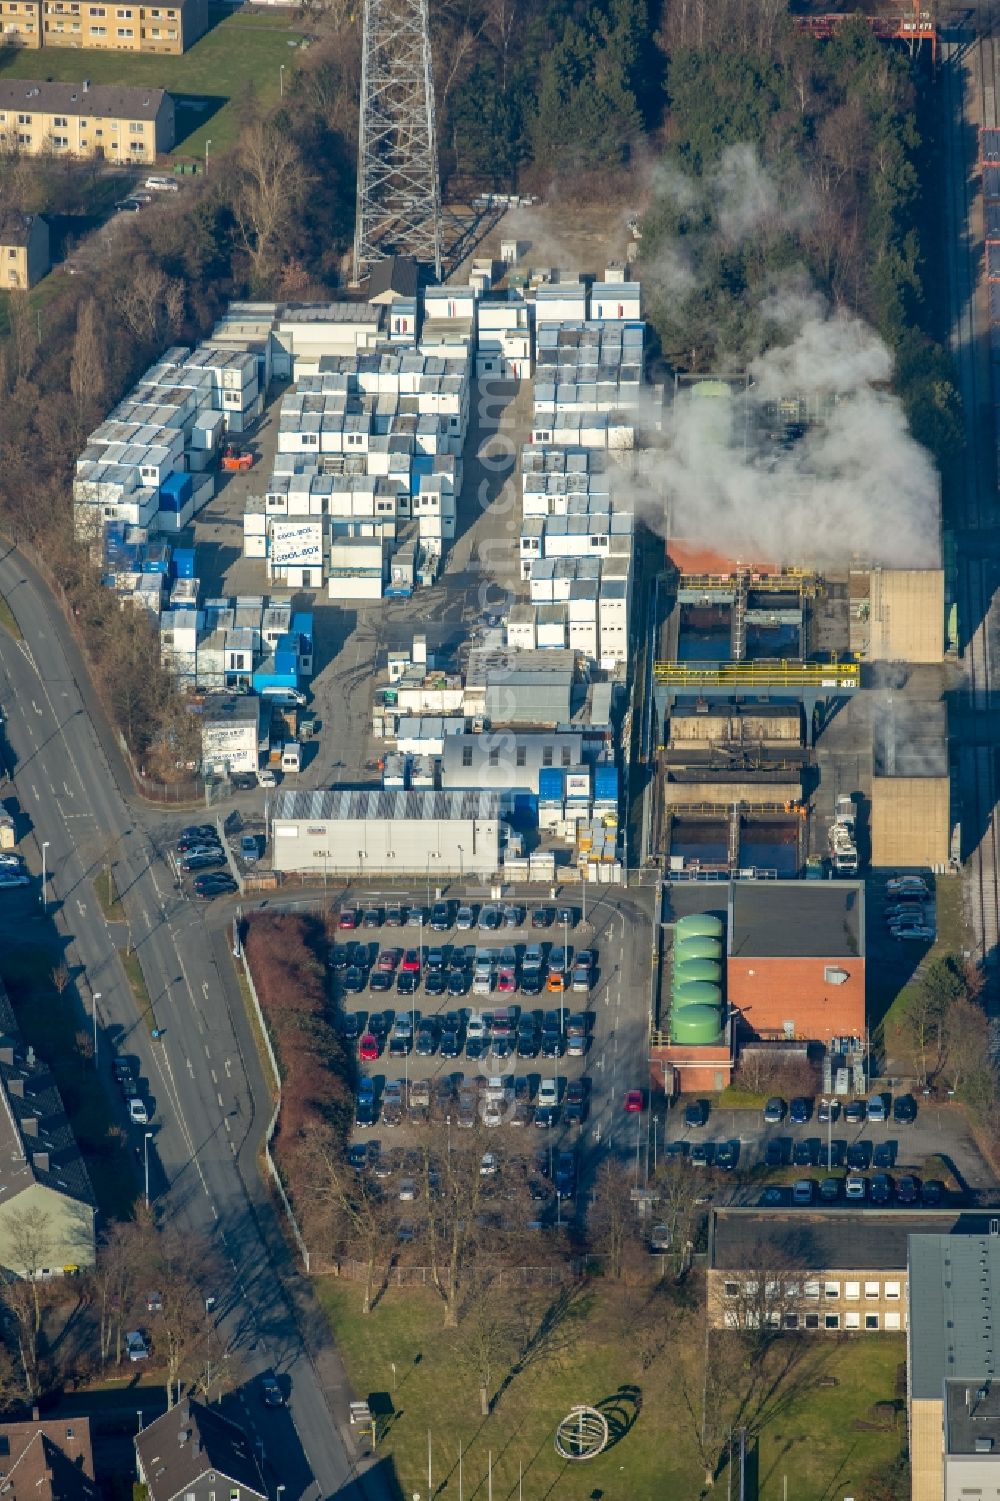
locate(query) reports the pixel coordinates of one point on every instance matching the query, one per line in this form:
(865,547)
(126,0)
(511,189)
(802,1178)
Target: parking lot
(935,1146)
(543,1067)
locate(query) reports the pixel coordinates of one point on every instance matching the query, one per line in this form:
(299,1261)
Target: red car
(387,960)
(411,962)
(506,982)
(368,1047)
(633,1102)
(348,919)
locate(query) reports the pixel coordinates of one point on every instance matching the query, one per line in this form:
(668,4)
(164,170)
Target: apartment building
(82,119)
(170,29)
(24,250)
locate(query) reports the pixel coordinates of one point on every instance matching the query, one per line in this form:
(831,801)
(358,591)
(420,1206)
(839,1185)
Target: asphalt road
(204,1078)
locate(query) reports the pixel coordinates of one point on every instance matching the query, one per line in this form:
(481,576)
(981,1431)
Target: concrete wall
(770,992)
(927,1449)
(911,821)
(66,1236)
(971,1475)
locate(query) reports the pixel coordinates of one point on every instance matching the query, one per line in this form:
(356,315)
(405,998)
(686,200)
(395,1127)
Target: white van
(291,756)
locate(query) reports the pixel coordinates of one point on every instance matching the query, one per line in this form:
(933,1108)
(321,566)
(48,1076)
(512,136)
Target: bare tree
(270,184)
(350,1213)
(184,1267)
(490,1338)
(88,373)
(29,1239)
(150,302)
(613,1220)
(453,1206)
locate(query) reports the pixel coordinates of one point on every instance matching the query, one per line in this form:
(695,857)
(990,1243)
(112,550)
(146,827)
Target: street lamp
(207,144)
(461,865)
(145,1158)
(41,894)
(97,997)
(281,81)
(827,1105)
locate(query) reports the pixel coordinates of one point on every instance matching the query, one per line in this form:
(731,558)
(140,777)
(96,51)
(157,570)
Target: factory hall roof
(100,101)
(828,1240)
(345,805)
(796,920)
(954,1298)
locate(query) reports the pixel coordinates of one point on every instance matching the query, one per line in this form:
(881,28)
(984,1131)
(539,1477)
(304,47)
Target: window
(60,121)
(831,1289)
(60,140)
(852,1321)
(812,1320)
(871,1320)
(892,1321)
(521,755)
(135,127)
(495,756)
(546,755)
(892,1289)
(852,1291)
(567,759)
(24,119)
(831,1321)
(871,1289)
(466,755)
(811,1290)
(791,1321)
(12,255)
(732,1289)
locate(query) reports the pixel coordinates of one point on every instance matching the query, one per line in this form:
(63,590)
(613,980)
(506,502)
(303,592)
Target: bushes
(287,954)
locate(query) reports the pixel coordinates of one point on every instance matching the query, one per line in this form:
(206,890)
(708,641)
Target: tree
(348,1211)
(270,182)
(453,1199)
(490,1339)
(185,1271)
(88,367)
(29,1237)
(613,1219)
(967,1060)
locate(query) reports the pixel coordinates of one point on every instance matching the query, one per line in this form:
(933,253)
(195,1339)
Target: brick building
(795,964)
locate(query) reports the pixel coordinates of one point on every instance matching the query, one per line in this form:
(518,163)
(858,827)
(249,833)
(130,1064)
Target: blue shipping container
(550,784)
(183,563)
(606,784)
(177,487)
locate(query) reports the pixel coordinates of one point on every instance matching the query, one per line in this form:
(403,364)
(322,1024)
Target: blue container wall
(183,563)
(550,784)
(606,783)
(179,486)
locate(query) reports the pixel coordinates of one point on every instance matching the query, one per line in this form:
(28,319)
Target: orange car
(556,984)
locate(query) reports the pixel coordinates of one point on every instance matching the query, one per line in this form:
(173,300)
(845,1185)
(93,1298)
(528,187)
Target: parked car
(441,917)
(904,1110)
(696,1114)
(880,1188)
(907,1189)
(541,917)
(465,918)
(372,917)
(566,917)
(513,916)
(138,1111)
(581,979)
(394,915)
(855,1187)
(559,959)
(380,981)
(884,1155)
(565,1175)
(727,1155)
(407,983)
(799,1111)
(803,1190)
(827,1112)
(576,1102)
(210,886)
(249,849)
(527,1036)
(778,1151)
(202,862)
(136,1347)
(804,1153)
(270,1392)
(829,1190)
(859,1156)
(774,1111)
(354,980)
(854,1113)
(876,1110)
(368,1047)
(435,982)
(634,1101)
(347,919)
(489,918)
(411,961)
(932,1192)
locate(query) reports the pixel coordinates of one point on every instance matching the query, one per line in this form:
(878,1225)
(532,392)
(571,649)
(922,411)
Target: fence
(423,1276)
(272,1166)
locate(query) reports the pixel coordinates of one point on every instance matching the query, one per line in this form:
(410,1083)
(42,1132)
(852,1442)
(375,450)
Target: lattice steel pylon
(399,193)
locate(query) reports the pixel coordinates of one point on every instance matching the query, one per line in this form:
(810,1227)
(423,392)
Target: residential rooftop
(47,1460)
(796,920)
(98,101)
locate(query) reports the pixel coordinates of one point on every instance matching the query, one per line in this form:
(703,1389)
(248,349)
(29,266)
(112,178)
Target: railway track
(970,83)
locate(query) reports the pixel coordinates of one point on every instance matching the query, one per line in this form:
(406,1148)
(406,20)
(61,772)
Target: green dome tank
(697,993)
(695,1026)
(698,925)
(697,947)
(697,969)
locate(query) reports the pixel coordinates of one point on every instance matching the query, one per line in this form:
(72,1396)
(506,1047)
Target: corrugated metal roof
(346,805)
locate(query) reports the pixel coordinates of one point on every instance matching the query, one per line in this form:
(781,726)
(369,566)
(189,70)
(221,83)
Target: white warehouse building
(435,835)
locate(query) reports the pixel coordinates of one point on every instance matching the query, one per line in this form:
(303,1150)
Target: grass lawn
(137,985)
(209,83)
(824,1436)
(106,891)
(50,1023)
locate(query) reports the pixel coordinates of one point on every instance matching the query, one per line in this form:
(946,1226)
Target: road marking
(35,791)
(207,1053)
(81,907)
(66,790)
(215,1212)
(190,1067)
(35,707)
(204,989)
(226,1123)
(219,1098)
(228,1067)
(215,1077)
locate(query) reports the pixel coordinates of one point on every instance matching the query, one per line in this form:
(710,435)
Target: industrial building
(897,614)
(693,1051)
(952,1394)
(795,961)
(911,823)
(43,1171)
(833,1270)
(168,29)
(428,834)
(234,732)
(82,119)
(24,250)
